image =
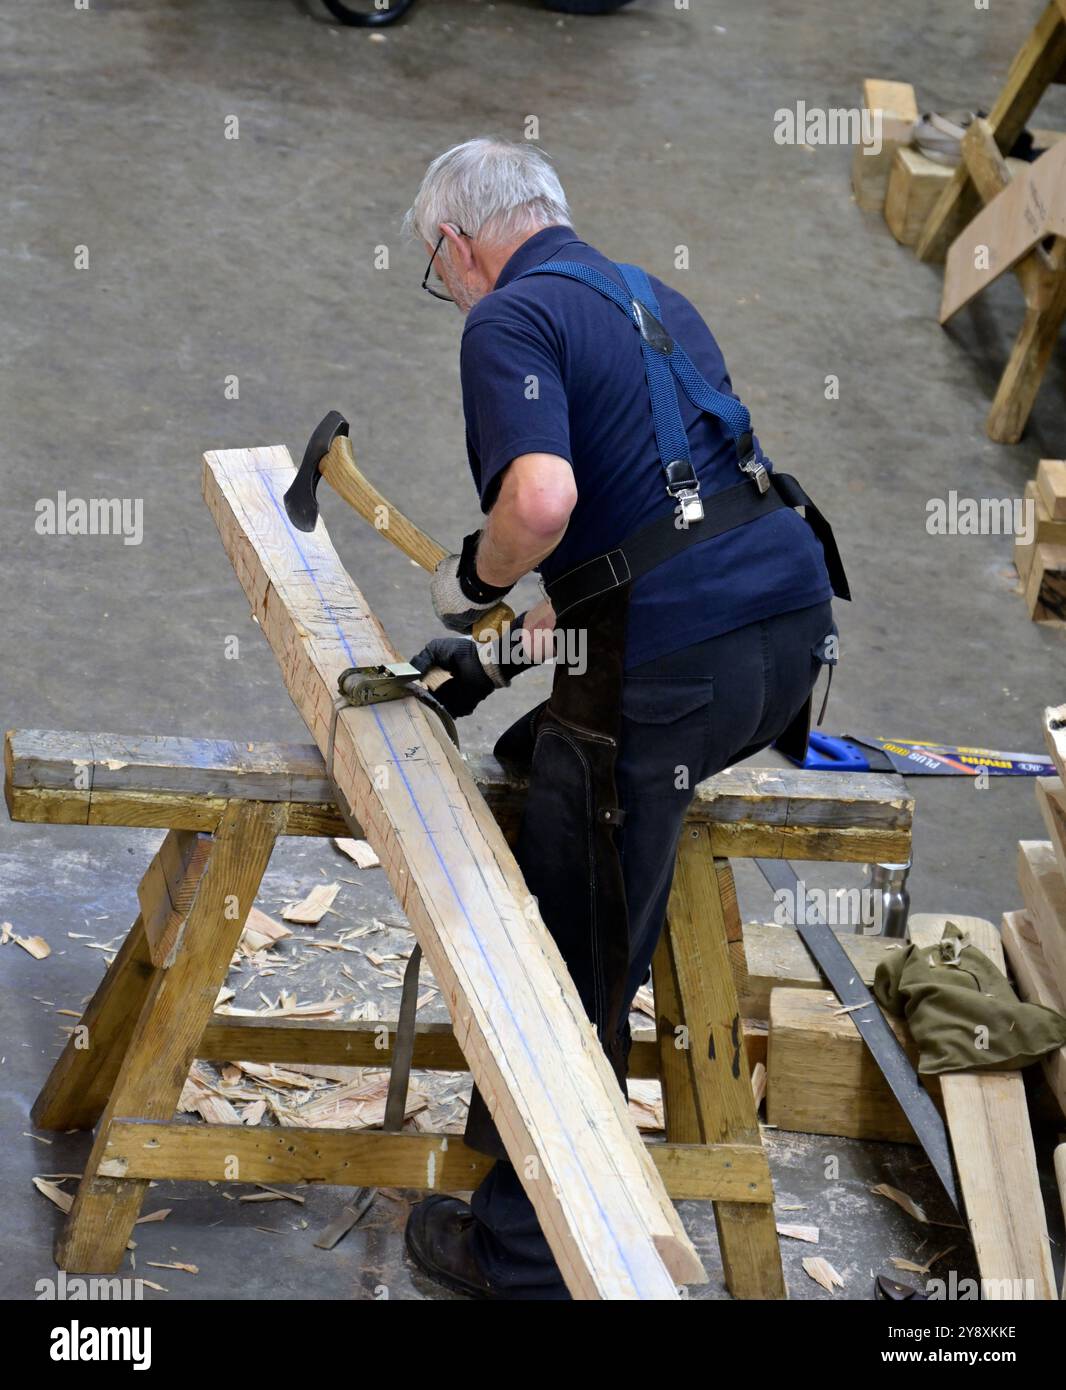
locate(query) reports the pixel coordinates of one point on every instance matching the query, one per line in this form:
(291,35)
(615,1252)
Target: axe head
(301,500)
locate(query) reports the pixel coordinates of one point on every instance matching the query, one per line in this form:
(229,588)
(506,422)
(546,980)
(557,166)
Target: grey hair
(490,188)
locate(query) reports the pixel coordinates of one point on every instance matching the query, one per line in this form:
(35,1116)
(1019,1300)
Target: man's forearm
(507,550)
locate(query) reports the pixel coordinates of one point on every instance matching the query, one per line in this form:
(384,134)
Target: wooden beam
(1035,983)
(702,992)
(179,783)
(532,1050)
(988,1120)
(1035,65)
(370,1158)
(241,1038)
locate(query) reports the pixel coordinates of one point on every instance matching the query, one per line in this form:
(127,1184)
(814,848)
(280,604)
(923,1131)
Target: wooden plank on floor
(1036,984)
(514,1009)
(988,1120)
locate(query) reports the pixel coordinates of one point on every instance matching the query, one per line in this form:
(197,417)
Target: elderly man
(610,456)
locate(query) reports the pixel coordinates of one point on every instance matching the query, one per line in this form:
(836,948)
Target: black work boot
(439,1239)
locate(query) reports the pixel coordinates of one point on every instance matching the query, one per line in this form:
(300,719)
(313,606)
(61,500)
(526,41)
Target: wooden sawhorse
(124,1065)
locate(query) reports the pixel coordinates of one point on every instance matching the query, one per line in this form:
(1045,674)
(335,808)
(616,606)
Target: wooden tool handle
(435,676)
(340,471)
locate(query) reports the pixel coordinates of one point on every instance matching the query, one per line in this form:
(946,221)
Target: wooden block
(1046,528)
(1044,892)
(821,1078)
(899,111)
(1045,587)
(1034,982)
(914,185)
(1051,798)
(988,1120)
(1055,736)
(1051,484)
(515,1011)
(1023,559)
(778,959)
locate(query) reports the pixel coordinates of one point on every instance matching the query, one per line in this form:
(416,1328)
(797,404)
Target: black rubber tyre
(367,16)
(586,6)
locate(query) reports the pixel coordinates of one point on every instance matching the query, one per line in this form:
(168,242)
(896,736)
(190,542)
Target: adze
(329,455)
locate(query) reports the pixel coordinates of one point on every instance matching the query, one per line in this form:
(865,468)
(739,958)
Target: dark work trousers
(685,717)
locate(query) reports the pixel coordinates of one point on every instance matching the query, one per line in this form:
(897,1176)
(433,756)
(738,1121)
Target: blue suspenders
(666,366)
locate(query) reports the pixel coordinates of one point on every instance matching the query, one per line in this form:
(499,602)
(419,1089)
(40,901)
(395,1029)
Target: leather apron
(567,846)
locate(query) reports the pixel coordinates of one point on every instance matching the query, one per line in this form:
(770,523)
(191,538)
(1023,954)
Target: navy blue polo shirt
(549,365)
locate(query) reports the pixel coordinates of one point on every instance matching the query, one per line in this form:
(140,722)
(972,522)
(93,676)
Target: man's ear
(458,245)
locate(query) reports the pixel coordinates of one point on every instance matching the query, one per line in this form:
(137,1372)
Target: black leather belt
(663,538)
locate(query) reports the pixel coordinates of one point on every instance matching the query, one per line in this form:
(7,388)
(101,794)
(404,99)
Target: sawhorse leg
(162,1043)
(707,1092)
(1030,354)
(83,1078)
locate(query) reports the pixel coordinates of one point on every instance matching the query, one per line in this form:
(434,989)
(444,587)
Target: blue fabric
(547,367)
(670,437)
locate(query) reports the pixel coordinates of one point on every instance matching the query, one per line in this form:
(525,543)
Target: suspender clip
(691,506)
(756,472)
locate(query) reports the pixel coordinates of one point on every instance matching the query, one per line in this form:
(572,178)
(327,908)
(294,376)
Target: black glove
(474,675)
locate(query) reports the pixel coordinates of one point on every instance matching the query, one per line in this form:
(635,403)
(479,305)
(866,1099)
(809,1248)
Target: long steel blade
(832,960)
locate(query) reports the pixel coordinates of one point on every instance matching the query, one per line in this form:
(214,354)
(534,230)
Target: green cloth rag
(961,1010)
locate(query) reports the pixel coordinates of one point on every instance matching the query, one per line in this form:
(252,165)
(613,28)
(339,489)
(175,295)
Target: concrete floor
(254,258)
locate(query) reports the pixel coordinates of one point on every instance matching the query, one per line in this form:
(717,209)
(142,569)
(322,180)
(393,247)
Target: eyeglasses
(429,289)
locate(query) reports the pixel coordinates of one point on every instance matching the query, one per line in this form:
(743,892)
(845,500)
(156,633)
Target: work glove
(459,596)
(474,673)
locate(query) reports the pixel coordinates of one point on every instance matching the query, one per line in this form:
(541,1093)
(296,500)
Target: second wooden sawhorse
(223,805)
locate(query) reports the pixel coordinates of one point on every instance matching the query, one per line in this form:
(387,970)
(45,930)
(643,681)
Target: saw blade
(895,1066)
